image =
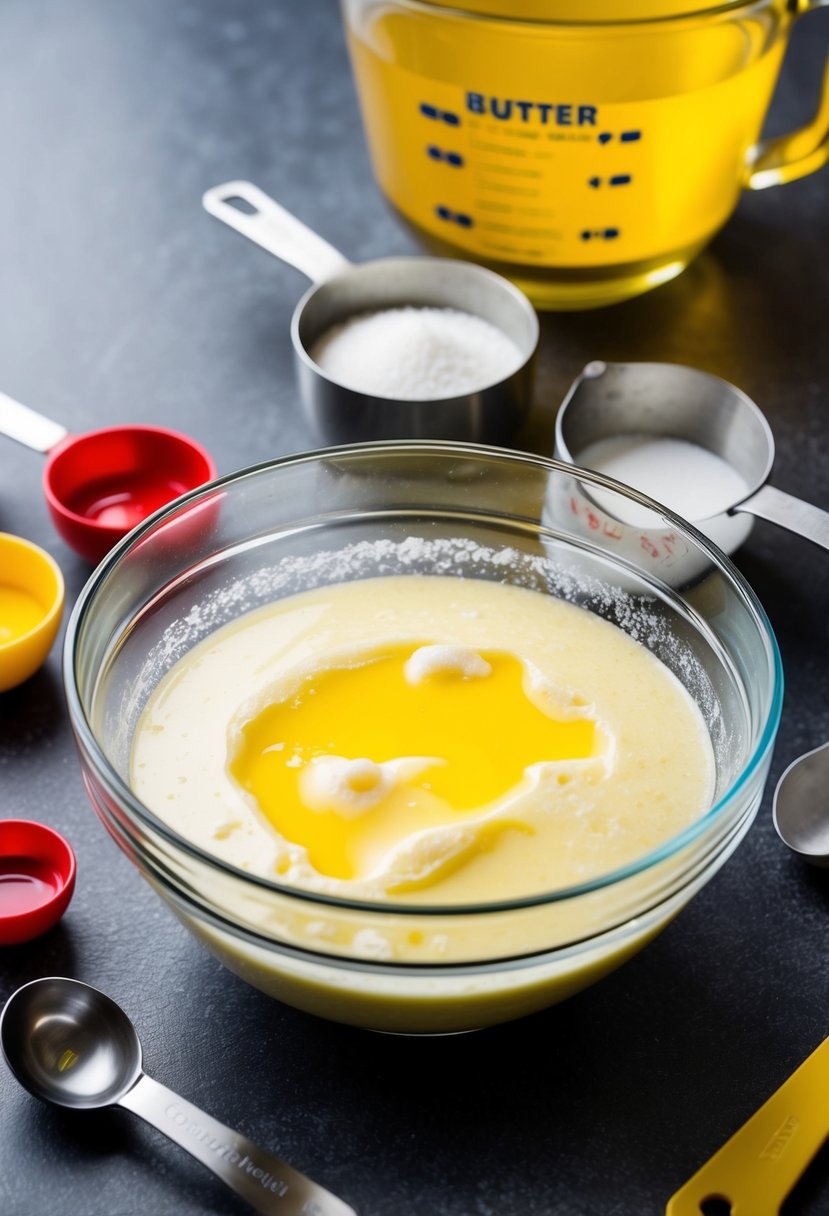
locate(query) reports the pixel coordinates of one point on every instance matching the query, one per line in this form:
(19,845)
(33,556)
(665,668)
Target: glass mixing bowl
(420,508)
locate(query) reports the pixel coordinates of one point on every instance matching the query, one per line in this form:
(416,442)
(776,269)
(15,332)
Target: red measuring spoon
(37,878)
(99,485)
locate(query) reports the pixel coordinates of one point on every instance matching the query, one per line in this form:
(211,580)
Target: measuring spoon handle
(270,1185)
(754,1171)
(275,229)
(19,422)
(790,513)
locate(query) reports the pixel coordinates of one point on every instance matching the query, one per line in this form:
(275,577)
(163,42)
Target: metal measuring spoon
(70,1044)
(340,290)
(801,806)
(666,399)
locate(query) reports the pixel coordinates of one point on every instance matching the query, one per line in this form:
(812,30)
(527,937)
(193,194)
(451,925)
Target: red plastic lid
(37,878)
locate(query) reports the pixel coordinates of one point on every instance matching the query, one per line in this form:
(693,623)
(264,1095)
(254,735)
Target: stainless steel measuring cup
(668,400)
(341,290)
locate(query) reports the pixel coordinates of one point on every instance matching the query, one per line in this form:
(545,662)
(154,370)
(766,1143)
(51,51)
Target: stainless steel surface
(341,290)
(268,224)
(20,422)
(667,399)
(801,806)
(70,1044)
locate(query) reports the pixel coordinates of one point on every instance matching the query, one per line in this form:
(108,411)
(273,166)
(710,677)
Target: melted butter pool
(429,738)
(356,759)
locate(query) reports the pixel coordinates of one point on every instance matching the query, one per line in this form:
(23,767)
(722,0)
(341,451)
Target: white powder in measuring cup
(416,354)
(697,484)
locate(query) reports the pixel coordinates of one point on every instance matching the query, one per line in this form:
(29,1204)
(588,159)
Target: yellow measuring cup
(586,151)
(754,1171)
(31,606)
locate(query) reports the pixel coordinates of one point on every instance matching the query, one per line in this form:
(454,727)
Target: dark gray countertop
(122,301)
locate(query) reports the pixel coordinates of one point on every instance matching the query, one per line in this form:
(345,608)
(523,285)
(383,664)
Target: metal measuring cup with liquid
(666,400)
(341,290)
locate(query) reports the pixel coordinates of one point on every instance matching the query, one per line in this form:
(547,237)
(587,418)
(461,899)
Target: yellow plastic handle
(801,152)
(754,1171)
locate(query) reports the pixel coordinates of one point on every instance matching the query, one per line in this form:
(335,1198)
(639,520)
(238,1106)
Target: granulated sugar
(416,354)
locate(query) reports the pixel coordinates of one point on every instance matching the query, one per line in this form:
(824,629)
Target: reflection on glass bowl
(416,508)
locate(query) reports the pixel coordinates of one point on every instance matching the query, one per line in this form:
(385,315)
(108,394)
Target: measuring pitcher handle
(275,229)
(788,157)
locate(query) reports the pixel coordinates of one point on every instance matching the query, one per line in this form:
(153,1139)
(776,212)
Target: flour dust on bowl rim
(407,508)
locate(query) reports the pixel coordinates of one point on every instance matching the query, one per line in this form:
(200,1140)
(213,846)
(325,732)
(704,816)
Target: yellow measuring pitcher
(586,149)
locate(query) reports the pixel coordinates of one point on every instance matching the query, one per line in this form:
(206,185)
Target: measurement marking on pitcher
(454,217)
(437,115)
(504,150)
(489,204)
(489,166)
(440,154)
(503,208)
(520,230)
(619,179)
(546,213)
(625,137)
(517,227)
(513,252)
(510,133)
(508,188)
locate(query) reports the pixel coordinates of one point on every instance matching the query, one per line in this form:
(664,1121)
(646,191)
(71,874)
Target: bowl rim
(117,787)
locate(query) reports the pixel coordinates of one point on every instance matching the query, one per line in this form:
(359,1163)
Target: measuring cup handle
(755,1170)
(788,157)
(275,229)
(789,512)
(268,1184)
(28,427)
